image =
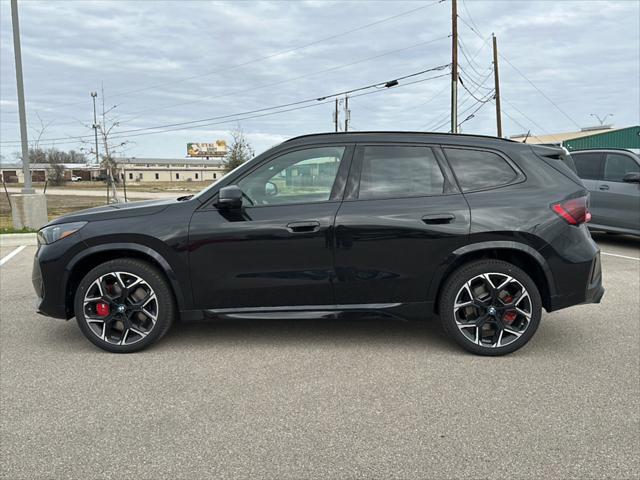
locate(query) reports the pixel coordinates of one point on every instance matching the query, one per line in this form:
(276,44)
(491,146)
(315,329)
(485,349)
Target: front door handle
(438,218)
(604,187)
(303,227)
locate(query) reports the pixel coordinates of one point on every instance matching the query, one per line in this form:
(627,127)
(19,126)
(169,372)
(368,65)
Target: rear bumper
(584,285)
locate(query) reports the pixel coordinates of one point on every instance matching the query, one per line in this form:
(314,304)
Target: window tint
(297,177)
(394,171)
(587,165)
(617,166)
(475,169)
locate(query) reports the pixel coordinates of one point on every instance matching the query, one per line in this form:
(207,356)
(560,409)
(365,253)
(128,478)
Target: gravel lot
(324,399)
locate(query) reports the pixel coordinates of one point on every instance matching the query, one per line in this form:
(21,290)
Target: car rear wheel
(490,307)
(124,305)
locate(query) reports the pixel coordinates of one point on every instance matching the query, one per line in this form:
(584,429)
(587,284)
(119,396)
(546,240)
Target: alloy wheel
(492,309)
(120,308)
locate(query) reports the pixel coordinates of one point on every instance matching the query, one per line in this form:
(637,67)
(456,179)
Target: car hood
(117,210)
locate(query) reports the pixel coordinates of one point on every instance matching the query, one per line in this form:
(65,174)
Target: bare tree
(239,151)
(55,174)
(111,147)
(39,132)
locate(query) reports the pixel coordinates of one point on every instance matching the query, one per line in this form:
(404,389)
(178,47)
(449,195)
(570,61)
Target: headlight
(55,232)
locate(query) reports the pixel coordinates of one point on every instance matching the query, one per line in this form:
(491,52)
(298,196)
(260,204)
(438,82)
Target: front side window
(394,171)
(617,166)
(476,169)
(303,176)
(587,165)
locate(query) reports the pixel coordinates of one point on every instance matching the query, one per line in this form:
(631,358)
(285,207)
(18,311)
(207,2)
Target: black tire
(164,307)
(453,287)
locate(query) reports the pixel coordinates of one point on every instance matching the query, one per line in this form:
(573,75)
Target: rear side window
(617,166)
(587,165)
(397,171)
(476,169)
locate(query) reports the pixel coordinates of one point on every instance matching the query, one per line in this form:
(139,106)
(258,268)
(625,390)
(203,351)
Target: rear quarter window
(478,169)
(588,165)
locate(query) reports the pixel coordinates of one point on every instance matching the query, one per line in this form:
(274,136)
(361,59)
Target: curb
(13,239)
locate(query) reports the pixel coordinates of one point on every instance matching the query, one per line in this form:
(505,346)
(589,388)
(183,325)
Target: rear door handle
(438,218)
(604,187)
(303,227)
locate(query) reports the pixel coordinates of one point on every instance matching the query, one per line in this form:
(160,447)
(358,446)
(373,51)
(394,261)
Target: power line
(525,77)
(473,114)
(262,58)
(236,119)
(443,119)
(422,72)
(541,92)
(280,82)
(520,125)
(138,114)
(531,120)
(469,91)
(472,64)
(484,101)
(464,5)
(335,67)
(481,82)
(261,112)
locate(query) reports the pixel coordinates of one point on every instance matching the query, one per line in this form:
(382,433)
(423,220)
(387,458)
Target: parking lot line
(620,256)
(12,254)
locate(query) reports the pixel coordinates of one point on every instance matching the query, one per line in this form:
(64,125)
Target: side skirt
(401,311)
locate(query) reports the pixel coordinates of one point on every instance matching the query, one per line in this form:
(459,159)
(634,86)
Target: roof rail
(392,132)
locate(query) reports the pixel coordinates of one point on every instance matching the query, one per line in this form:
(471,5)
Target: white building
(139,170)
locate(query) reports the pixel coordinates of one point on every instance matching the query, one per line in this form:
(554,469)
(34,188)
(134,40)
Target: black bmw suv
(480,231)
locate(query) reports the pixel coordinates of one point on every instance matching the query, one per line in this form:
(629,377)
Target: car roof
(598,150)
(401,136)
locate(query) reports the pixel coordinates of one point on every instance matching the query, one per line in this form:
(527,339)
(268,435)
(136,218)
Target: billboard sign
(216,149)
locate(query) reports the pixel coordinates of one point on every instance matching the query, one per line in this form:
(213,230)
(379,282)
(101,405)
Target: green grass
(16,230)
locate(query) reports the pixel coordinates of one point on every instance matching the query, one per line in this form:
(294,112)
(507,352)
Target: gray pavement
(324,399)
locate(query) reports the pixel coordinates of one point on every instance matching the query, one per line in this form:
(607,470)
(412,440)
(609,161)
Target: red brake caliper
(509,316)
(102,309)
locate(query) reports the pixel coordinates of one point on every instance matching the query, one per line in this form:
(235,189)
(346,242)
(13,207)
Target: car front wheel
(490,307)
(124,305)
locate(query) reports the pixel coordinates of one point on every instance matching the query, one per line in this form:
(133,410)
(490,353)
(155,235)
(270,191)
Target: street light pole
(603,119)
(95,124)
(21,105)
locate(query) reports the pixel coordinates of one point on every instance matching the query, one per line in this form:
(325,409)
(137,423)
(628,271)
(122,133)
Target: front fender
(139,249)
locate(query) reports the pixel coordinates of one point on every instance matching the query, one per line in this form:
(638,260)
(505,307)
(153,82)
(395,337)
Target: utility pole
(347,113)
(335,115)
(27,188)
(95,124)
(454,66)
(107,155)
(496,78)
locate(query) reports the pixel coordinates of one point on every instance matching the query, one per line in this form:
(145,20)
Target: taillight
(574,211)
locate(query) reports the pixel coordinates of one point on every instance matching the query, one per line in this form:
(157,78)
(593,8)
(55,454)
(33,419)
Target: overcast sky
(163,63)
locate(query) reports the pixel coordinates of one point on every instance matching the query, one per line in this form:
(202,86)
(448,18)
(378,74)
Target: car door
(402,215)
(619,201)
(278,249)
(589,169)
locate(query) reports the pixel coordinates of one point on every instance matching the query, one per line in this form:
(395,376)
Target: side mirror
(230,197)
(270,189)
(632,177)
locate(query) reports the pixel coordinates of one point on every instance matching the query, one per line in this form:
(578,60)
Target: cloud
(170,62)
